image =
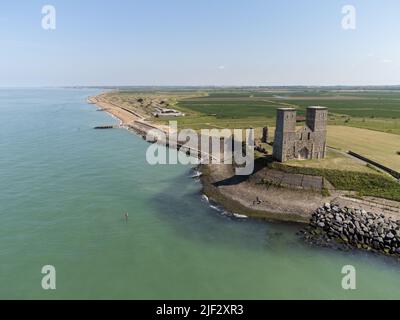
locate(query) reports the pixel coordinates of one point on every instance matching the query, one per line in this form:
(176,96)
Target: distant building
(307,143)
(164,112)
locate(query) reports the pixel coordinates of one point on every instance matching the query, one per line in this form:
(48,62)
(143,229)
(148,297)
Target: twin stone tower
(307,143)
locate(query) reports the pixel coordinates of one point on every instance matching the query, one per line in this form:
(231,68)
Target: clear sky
(199,42)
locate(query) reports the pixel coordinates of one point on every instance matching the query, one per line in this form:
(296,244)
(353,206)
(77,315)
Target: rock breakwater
(348,228)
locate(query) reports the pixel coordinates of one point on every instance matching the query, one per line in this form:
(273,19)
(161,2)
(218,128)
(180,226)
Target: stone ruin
(307,143)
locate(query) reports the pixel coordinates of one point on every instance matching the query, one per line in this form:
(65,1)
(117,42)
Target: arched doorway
(303,154)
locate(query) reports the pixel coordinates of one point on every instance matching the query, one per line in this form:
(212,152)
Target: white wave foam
(240,216)
(221,210)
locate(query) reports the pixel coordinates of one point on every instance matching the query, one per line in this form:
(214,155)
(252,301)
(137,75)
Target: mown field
(334,160)
(379,146)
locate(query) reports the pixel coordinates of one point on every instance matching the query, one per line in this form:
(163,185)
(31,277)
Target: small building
(307,143)
(164,112)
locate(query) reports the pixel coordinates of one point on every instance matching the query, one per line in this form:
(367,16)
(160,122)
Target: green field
(378,146)
(231,108)
(375,110)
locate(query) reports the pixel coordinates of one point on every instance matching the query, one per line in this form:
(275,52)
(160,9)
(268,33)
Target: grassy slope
(366,184)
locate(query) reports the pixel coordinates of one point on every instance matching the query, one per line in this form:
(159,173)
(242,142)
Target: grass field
(375,110)
(334,160)
(379,146)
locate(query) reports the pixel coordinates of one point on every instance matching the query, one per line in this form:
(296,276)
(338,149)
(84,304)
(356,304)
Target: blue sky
(199,42)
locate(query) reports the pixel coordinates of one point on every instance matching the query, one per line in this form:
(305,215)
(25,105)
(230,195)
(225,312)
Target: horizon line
(208,86)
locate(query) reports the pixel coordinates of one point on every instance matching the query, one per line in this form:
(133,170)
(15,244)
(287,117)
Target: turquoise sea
(64,189)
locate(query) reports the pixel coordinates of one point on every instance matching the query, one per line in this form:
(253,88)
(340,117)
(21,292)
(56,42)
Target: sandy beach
(123,115)
(130,119)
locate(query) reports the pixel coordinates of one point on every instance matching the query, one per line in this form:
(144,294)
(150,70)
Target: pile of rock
(349,227)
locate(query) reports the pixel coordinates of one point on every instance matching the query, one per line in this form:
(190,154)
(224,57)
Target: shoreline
(239,197)
(127,120)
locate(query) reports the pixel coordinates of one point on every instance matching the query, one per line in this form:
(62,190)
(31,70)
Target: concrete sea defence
(392,172)
(331,225)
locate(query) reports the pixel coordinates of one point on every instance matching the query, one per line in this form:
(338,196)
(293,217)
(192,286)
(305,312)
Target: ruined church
(307,143)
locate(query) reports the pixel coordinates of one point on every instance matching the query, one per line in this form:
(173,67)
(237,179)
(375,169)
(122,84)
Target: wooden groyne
(106,127)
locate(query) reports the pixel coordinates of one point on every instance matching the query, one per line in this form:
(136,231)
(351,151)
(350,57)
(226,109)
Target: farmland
(362,120)
(378,146)
(375,110)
